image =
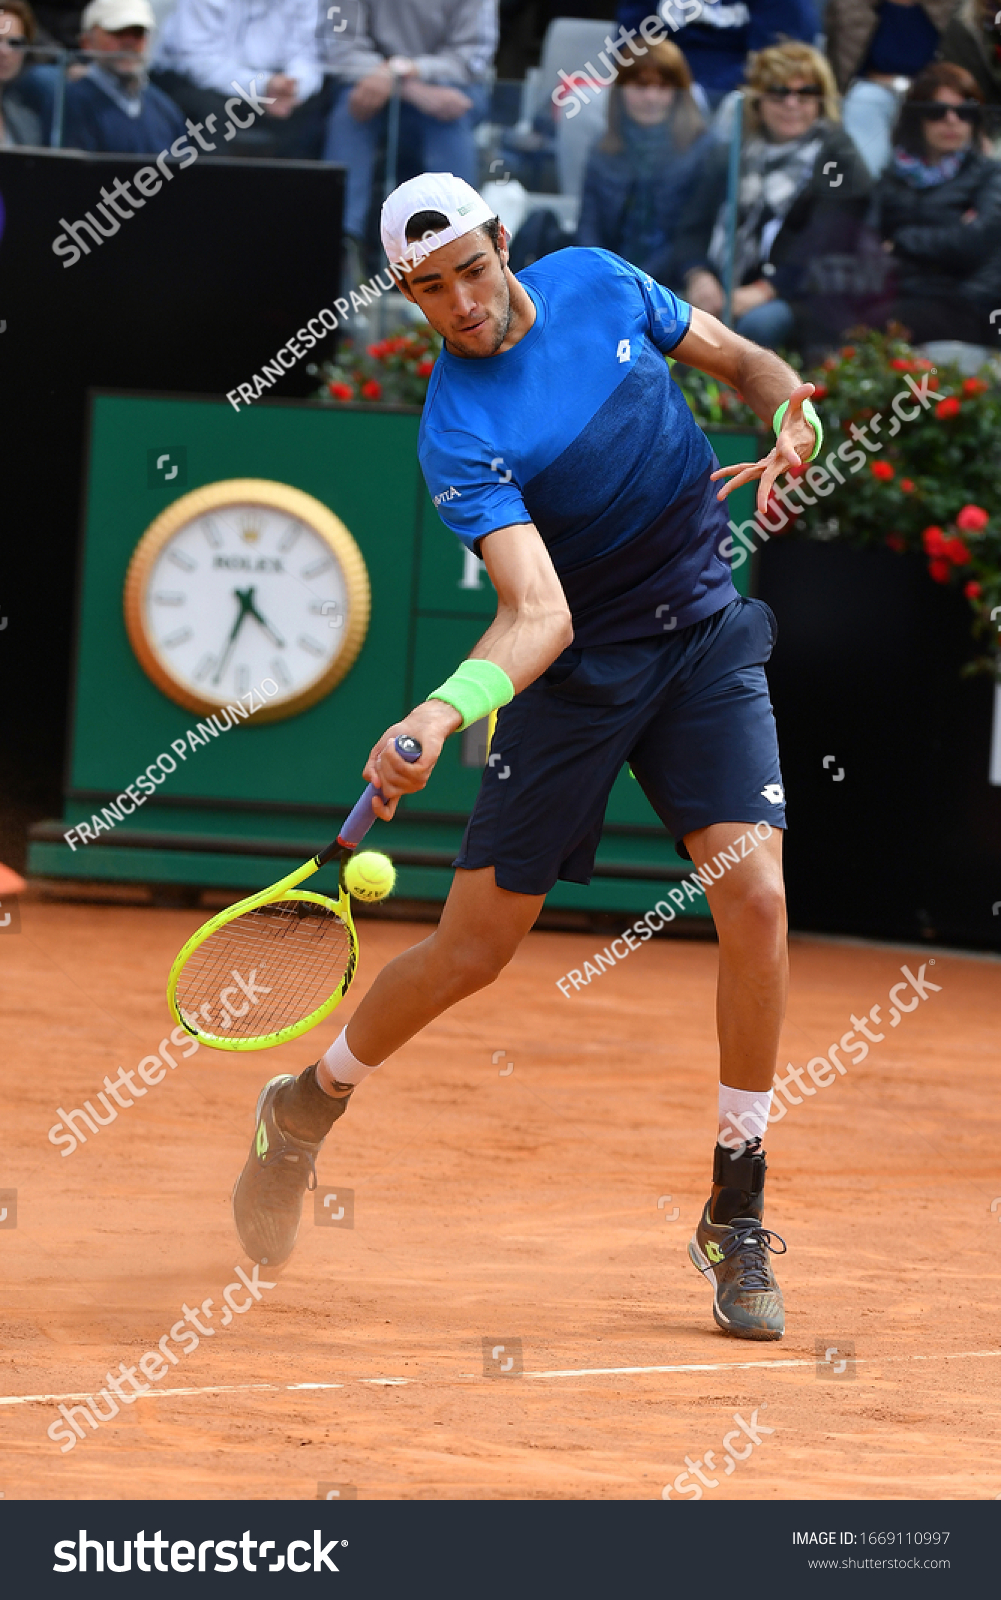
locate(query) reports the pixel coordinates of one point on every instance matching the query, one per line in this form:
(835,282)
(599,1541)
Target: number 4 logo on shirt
(624,351)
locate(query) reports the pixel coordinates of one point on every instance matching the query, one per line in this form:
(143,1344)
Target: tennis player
(556,445)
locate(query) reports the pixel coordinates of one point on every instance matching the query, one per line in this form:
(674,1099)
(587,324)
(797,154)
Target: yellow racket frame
(286,889)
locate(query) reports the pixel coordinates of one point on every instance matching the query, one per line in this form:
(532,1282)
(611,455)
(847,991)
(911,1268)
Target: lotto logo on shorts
(502,1358)
(835,1359)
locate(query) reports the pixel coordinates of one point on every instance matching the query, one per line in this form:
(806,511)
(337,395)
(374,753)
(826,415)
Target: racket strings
(266,970)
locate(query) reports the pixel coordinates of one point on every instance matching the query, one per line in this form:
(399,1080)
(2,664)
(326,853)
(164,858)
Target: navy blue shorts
(689,711)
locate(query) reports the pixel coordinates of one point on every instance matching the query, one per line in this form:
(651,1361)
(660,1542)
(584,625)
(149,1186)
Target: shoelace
(752,1245)
(291,1170)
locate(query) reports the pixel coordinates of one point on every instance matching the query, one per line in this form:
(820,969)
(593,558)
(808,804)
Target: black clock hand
(244,599)
(272,635)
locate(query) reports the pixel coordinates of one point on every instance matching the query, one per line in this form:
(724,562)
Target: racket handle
(363,816)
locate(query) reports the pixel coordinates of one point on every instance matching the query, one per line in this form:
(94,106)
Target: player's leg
(537,817)
(710,754)
(481,928)
(748,907)
(730,1244)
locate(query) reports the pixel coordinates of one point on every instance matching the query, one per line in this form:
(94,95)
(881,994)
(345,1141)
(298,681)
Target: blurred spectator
(803,189)
(18,123)
(881,45)
(113,107)
(641,174)
(973,40)
(436,54)
(938,210)
(208,45)
(717,43)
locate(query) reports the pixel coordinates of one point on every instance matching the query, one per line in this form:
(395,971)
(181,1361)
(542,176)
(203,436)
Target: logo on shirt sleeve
(495,466)
(624,352)
(451,493)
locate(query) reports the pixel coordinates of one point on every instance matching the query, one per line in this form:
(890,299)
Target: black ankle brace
(740,1176)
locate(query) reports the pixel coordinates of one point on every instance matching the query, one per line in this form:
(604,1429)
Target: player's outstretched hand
(793,446)
(430,724)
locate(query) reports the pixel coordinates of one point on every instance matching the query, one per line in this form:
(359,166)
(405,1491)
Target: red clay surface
(503,1204)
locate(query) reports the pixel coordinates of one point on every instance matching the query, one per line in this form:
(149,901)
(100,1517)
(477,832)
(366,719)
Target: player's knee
(754,903)
(477,966)
(759,908)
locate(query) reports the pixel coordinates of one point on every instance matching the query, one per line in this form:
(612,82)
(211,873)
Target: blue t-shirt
(580,429)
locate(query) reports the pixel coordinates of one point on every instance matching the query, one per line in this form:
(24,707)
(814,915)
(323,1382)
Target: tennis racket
(271,967)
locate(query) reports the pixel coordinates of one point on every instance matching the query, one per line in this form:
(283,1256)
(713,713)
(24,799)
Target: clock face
(243,582)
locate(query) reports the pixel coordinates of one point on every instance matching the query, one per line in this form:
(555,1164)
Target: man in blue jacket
(114,108)
(717,42)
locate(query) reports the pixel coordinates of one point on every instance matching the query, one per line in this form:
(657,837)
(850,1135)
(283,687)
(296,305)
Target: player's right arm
(532,627)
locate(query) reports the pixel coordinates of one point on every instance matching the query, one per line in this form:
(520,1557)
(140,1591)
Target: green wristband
(812,418)
(475,689)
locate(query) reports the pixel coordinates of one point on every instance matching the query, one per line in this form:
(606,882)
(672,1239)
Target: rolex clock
(241,581)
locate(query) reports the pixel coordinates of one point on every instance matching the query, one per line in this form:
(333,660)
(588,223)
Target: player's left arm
(764,381)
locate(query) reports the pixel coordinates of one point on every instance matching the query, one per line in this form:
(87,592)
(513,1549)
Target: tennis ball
(370,875)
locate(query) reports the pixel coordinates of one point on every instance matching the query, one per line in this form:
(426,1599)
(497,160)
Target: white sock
(743,1115)
(338,1065)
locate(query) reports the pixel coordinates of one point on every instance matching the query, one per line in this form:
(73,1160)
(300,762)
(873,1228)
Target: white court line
(570,1372)
(730,1366)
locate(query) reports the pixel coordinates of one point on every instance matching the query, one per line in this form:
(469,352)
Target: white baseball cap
(113,15)
(432,191)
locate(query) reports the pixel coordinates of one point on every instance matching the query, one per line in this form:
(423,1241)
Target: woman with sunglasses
(18,123)
(803,194)
(937,210)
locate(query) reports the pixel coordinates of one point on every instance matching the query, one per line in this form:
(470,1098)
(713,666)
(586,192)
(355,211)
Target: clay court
(516,1172)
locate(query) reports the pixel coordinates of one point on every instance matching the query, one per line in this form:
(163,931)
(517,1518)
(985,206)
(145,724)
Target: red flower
(972,590)
(371,390)
(829,363)
(907,485)
(425,369)
(900,365)
(939,570)
(956,551)
(341,391)
(881,470)
(947,408)
(376,350)
(819,391)
(972,519)
(798,470)
(974,386)
(933,540)
(847,352)
(923,365)
(896,542)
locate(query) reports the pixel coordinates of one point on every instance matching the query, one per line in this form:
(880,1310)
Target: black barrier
(194,292)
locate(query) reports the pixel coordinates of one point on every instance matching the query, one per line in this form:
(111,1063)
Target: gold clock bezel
(228,492)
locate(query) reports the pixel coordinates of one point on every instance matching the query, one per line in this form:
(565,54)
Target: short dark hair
(909,133)
(423,222)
